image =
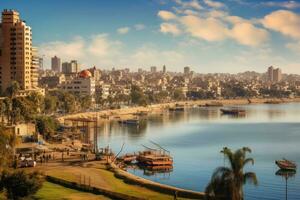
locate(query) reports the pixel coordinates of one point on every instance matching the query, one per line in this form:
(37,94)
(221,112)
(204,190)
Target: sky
(210,36)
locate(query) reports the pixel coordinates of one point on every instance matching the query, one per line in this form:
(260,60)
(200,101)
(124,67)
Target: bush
(18,184)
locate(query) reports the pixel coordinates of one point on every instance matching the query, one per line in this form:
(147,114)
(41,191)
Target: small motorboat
(286,164)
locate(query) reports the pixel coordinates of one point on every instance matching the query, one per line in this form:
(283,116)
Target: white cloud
(295,47)
(150,55)
(248,34)
(189,4)
(209,29)
(123,30)
(139,27)
(170,28)
(166,15)
(214,4)
(283,4)
(95,50)
(283,21)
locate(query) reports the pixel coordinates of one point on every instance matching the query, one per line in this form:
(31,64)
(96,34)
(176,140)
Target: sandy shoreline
(131,112)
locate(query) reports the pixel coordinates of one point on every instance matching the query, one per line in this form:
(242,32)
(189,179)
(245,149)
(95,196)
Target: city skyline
(209,36)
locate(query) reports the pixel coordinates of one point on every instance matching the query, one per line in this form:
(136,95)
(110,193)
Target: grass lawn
(51,191)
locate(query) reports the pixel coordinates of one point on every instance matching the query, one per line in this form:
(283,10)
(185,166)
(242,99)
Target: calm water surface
(196,136)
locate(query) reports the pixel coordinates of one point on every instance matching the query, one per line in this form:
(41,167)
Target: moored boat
(286,164)
(214,104)
(233,111)
(127,158)
(154,158)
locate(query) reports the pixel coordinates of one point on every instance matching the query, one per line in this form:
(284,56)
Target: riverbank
(133,112)
(95,174)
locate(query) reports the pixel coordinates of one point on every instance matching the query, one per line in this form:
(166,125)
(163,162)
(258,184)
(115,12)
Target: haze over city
(209,36)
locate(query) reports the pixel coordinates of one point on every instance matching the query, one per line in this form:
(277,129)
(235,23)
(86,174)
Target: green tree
(7,144)
(20,185)
(137,96)
(50,104)
(85,102)
(37,100)
(178,95)
(46,126)
(13,89)
(227,182)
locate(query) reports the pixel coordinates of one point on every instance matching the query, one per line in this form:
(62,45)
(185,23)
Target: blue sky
(208,35)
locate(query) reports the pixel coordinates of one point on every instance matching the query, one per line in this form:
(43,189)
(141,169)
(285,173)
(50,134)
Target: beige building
(15,51)
(70,67)
(83,84)
(35,65)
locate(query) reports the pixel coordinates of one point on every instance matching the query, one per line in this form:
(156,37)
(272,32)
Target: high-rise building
(55,64)
(35,65)
(15,51)
(41,63)
(70,67)
(164,69)
(153,69)
(274,75)
(277,75)
(186,70)
(270,73)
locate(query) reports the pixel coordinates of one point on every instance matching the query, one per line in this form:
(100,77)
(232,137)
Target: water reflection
(286,174)
(195,135)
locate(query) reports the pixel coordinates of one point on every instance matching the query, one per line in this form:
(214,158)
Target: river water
(196,136)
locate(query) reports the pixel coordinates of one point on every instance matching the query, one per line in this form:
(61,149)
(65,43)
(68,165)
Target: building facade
(274,75)
(70,67)
(35,65)
(15,51)
(83,84)
(55,64)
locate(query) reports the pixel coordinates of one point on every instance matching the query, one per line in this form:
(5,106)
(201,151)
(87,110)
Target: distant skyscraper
(153,69)
(55,64)
(277,75)
(187,70)
(164,69)
(270,73)
(41,63)
(15,51)
(70,67)
(274,75)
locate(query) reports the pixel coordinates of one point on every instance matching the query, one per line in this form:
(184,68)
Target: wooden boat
(150,158)
(127,158)
(286,164)
(233,111)
(214,104)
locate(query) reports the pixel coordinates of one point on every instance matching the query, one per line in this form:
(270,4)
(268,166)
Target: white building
(84,84)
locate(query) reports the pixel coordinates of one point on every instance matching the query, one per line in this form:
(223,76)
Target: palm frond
(250,177)
(248,160)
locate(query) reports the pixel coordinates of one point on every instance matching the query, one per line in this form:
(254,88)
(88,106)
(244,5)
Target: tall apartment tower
(186,70)
(270,73)
(70,67)
(15,51)
(277,75)
(55,64)
(153,69)
(164,69)
(274,75)
(35,65)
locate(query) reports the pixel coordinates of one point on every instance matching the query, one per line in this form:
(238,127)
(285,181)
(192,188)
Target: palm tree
(227,182)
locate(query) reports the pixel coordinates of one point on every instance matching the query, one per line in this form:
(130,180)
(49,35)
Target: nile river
(196,136)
